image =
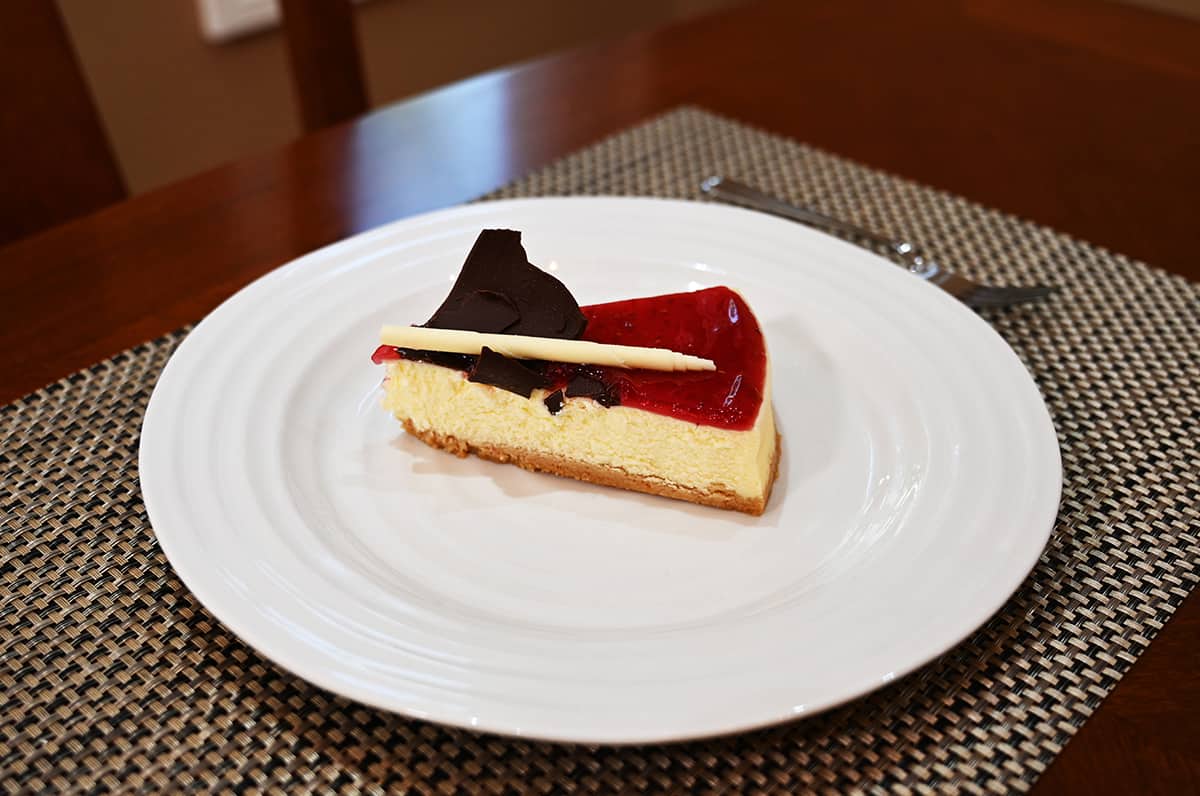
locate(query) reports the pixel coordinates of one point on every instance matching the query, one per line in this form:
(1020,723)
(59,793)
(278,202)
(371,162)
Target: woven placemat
(112,677)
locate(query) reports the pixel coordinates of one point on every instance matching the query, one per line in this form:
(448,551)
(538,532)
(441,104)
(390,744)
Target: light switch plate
(222,20)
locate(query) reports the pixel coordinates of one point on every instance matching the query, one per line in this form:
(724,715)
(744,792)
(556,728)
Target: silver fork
(965,290)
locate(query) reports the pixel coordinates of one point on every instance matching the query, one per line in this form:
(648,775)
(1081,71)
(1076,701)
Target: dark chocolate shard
(490,311)
(507,374)
(500,291)
(555,401)
(584,386)
(443,358)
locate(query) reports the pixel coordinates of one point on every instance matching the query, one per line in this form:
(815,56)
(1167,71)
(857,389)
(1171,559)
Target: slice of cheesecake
(706,437)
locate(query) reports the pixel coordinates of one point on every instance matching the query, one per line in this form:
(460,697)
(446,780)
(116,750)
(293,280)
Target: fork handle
(740,193)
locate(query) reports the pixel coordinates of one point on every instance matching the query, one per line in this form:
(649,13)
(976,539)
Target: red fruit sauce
(715,324)
(385,353)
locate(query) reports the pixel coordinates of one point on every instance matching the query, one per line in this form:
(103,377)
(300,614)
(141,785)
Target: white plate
(919,482)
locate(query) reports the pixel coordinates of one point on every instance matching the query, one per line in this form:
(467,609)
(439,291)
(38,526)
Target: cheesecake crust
(599,474)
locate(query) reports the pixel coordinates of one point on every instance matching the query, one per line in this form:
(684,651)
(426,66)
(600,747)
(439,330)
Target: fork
(971,293)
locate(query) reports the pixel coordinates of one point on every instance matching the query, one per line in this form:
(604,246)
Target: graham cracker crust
(599,474)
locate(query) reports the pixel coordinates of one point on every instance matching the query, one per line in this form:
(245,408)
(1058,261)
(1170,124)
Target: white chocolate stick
(583,352)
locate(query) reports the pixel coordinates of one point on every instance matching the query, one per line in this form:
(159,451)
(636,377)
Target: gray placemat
(113,677)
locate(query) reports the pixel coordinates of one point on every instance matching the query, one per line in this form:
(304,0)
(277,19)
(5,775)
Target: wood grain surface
(1084,116)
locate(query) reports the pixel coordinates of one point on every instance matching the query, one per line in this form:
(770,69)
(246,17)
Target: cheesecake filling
(637,442)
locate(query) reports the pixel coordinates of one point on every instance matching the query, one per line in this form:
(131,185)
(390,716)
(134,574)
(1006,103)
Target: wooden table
(1081,115)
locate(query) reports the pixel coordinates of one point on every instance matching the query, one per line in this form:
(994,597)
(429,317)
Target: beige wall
(173,104)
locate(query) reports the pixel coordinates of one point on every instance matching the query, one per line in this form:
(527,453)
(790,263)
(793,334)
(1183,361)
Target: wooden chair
(327,72)
(56,162)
